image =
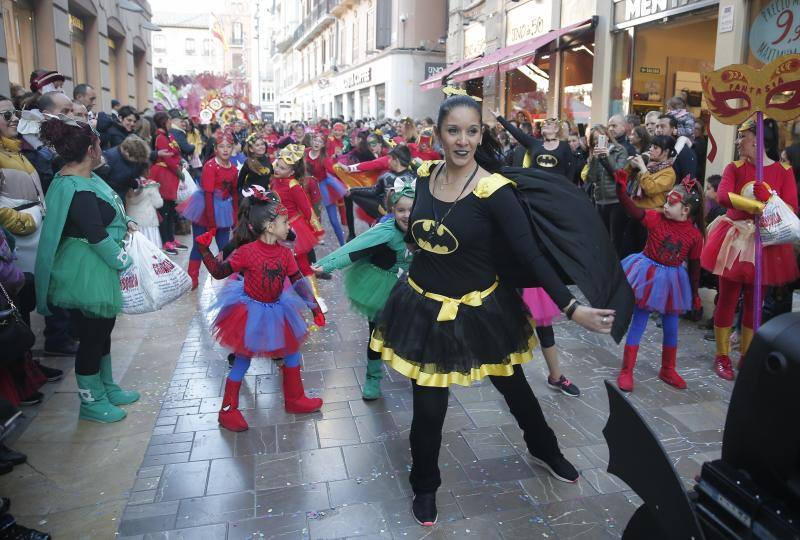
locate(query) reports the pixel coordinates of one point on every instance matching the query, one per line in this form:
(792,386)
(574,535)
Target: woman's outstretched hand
(596,320)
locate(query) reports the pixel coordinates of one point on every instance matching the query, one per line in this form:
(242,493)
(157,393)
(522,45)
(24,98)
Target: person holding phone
(605,157)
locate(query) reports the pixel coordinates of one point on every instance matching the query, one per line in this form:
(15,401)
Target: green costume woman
(74,273)
(375,261)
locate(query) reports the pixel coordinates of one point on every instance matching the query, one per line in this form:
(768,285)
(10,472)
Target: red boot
(723,368)
(229,415)
(294,396)
(194,272)
(668,373)
(625,378)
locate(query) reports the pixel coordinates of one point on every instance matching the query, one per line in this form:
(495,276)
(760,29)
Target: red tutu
(306,238)
(729,250)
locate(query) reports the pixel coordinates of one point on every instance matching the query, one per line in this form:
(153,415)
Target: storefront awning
(513,56)
(435,81)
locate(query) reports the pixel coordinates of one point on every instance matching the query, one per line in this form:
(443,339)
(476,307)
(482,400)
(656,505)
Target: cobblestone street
(168,470)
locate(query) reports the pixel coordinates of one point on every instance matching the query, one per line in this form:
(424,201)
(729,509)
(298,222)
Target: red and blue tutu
(194,209)
(252,328)
(332,190)
(543,309)
(658,287)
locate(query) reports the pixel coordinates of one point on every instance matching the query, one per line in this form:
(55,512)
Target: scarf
(11,158)
(655,166)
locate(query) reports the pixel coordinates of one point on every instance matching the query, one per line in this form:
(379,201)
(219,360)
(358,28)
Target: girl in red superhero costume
(259,315)
(730,249)
(320,166)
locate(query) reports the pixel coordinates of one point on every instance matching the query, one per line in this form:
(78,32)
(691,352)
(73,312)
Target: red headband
(224,136)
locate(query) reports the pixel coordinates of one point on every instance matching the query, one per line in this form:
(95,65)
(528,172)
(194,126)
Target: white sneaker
(323,307)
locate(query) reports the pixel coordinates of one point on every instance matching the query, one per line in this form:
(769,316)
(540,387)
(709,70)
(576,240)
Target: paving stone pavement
(343,472)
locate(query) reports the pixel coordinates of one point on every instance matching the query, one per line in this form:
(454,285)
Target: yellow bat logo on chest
(440,241)
(546,161)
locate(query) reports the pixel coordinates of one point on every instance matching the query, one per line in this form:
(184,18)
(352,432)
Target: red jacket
(166,168)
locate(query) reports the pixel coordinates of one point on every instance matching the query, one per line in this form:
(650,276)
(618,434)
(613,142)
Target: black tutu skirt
(483,340)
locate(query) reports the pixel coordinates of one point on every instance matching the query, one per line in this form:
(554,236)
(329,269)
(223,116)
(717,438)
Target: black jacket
(119,173)
(112,133)
(180,137)
(685,163)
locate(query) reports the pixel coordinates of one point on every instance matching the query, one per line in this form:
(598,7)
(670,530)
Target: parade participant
(288,167)
(372,200)
(659,281)
(453,322)
(337,143)
(257,315)
(424,148)
(214,205)
(729,252)
(78,263)
(544,312)
(320,166)
(552,155)
(270,138)
(375,261)
(167,172)
(257,169)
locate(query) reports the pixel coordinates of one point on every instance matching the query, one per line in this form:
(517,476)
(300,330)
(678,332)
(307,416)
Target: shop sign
(776,30)
(650,70)
(630,12)
(474,40)
(528,21)
(357,78)
(433,68)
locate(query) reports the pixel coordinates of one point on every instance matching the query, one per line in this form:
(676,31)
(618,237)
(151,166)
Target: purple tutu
(542,307)
(657,287)
(252,328)
(332,190)
(194,209)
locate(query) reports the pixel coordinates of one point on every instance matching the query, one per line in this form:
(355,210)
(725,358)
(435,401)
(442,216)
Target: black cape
(572,235)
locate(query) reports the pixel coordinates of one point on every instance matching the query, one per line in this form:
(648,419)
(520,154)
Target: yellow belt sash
(450,306)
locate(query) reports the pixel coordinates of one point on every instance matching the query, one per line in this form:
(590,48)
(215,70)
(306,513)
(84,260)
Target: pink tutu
(542,307)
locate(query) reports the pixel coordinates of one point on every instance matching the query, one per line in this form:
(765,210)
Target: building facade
(356,59)
(585,60)
(187,46)
(105,43)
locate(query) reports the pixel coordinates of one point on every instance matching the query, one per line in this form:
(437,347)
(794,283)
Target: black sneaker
(12,456)
(709,336)
(52,374)
(33,399)
(169,248)
(69,348)
(558,467)
(325,275)
(424,509)
(565,386)
(11,530)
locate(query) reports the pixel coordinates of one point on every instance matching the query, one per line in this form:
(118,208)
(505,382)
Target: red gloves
(206,238)
(319,319)
(697,304)
(621,178)
(760,192)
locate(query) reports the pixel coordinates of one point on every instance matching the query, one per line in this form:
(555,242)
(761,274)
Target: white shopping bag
(186,187)
(778,223)
(152,280)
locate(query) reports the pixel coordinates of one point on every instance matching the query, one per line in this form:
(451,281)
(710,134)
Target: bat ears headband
(453,91)
(292,153)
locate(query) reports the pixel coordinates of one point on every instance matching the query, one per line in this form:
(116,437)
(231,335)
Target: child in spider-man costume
(659,281)
(260,316)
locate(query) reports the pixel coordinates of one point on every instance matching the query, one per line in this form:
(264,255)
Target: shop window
(577,60)
(364,97)
(380,97)
(190,46)
(621,72)
(78,45)
(526,90)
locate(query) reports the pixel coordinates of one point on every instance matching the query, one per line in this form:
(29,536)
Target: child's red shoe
(294,396)
(668,373)
(229,415)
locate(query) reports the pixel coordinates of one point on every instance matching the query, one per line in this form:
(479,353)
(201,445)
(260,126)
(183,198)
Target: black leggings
(372,355)
(95,341)
(430,407)
(547,337)
(351,220)
(169,218)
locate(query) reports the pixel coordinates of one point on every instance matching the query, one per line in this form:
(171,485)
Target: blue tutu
(657,287)
(252,328)
(332,190)
(194,209)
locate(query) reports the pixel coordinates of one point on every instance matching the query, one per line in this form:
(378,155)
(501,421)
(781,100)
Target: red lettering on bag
(163,267)
(770,220)
(131,281)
